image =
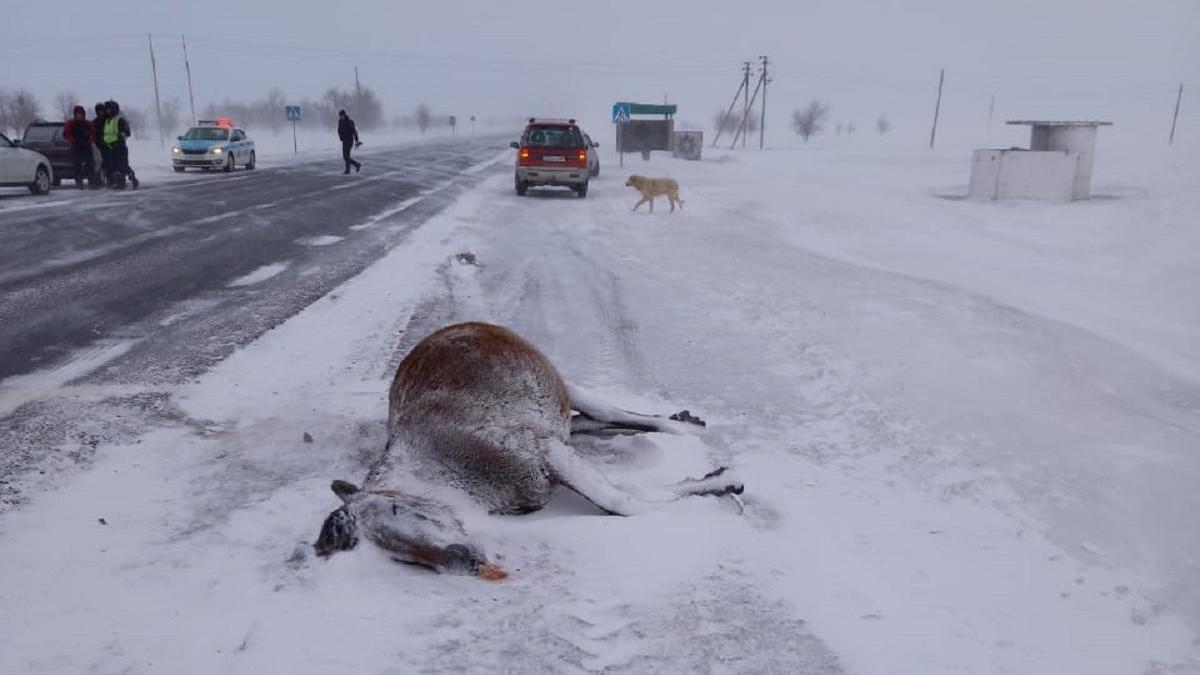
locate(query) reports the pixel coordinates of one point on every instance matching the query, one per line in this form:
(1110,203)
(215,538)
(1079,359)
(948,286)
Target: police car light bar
(223,122)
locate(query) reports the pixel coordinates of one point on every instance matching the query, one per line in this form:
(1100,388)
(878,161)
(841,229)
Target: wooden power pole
(188,67)
(762,122)
(157,104)
(937,108)
(742,128)
(724,120)
(1175,119)
(745,94)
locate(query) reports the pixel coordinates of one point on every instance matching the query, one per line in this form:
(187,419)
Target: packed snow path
(958,459)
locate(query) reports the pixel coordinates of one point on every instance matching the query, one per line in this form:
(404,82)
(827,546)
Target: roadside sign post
(472,125)
(620,115)
(453,125)
(293,114)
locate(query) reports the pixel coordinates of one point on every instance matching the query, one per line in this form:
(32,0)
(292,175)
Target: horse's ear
(344,489)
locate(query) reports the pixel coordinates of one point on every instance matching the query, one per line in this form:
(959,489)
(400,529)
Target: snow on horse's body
(475,409)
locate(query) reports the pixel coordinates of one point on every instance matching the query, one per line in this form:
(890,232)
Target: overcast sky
(1076,58)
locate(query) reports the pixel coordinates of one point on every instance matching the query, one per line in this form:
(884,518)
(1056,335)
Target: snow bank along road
(158,284)
(961,456)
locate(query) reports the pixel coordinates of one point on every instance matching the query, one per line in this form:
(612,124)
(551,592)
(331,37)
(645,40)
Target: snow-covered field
(969,434)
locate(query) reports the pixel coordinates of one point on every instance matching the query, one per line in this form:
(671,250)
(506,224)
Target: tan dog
(654,187)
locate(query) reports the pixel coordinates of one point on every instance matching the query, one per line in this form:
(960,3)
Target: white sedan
(24,168)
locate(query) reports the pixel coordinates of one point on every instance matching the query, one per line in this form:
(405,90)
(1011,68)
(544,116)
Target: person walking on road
(98,139)
(349,135)
(79,133)
(116,131)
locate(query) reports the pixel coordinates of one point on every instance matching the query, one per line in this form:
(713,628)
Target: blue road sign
(293,112)
(620,113)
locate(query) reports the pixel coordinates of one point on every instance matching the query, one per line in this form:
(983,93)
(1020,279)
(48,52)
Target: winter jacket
(346,130)
(98,130)
(79,133)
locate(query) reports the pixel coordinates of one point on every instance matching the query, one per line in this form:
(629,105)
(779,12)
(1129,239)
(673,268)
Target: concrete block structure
(1057,166)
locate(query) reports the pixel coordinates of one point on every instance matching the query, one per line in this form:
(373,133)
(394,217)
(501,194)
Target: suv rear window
(553,137)
(40,134)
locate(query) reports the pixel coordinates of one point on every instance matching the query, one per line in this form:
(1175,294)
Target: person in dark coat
(348,133)
(98,139)
(79,133)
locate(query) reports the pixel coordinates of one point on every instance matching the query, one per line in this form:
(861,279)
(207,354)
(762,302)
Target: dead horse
(475,410)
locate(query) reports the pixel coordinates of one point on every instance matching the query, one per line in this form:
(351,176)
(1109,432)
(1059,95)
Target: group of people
(108,132)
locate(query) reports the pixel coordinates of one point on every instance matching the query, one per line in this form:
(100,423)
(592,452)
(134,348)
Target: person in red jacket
(80,133)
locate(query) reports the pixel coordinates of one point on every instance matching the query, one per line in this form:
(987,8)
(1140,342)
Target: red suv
(552,152)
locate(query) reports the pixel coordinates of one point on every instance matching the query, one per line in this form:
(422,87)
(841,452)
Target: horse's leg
(599,418)
(576,473)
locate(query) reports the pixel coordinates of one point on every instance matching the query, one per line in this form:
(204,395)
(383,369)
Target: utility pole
(742,126)
(188,67)
(745,94)
(157,105)
(991,114)
(1175,119)
(357,92)
(721,126)
(937,108)
(762,122)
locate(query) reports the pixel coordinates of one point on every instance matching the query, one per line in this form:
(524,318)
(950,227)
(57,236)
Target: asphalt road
(151,270)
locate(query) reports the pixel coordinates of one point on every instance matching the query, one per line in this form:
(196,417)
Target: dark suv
(552,152)
(47,138)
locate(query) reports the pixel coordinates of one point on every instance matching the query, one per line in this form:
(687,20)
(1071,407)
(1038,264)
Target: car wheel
(582,190)
(252,162)
(596,172)
(41,181)
(179,169)
(229,163)
(521,187)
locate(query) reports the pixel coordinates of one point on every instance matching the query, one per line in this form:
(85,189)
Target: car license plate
(555,158)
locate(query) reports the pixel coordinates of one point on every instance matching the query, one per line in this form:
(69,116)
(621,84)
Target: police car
(213,144)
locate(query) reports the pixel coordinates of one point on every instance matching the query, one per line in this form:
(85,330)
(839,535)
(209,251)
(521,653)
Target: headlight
(216,151)
(176,150)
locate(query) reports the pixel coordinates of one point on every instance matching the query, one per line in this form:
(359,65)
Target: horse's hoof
(688,418)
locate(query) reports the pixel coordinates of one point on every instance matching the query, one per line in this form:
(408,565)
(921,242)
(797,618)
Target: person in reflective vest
(116,131)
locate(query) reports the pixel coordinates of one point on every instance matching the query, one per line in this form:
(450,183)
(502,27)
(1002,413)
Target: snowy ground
(968,432)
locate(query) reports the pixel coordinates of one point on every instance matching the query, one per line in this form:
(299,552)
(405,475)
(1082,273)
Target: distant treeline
(19,107)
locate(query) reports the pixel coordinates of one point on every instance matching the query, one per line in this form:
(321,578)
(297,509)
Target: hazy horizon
(1063,58)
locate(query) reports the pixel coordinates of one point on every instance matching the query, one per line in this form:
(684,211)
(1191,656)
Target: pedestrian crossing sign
(620,113)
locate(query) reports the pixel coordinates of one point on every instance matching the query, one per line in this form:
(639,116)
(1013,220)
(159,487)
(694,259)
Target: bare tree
(882,125)
(18,108)
(423,117)
(729,123)
(840,128)
(5,123)
(171,113)
(65,101)
(137,119)
(850,128)
(274,104)
(807,122)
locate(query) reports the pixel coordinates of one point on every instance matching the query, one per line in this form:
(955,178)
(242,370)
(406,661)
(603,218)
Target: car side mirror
(595,145)
(515,145)
(179,138)
(16,142)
